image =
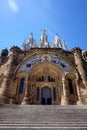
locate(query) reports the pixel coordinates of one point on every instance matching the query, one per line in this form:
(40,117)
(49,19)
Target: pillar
(79,102)
(80,65)
(26,96)
(64,97)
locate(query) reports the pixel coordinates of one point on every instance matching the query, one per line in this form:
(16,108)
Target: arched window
(70,86)
(21,88)
(39,79)
(54,93)
(42,78)
(49,78)
(37,93)
(54,80)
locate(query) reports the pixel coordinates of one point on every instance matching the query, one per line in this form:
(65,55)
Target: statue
(84,55)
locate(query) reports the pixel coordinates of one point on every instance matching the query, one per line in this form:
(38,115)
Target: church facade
(43,74)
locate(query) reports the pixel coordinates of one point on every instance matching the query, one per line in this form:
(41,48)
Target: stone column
(80,65)
(13,99)
(64,96)
(79,102)
(26,96)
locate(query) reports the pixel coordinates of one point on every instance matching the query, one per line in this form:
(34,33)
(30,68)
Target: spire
(31,38)
(29,42)
(64,47)
(32,42)
(43,43)
(57,42)
(43,40)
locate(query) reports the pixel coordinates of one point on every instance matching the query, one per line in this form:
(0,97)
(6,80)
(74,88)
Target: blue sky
(68,18)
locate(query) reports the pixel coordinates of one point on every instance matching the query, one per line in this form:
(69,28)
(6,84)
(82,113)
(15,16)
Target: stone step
(43,117)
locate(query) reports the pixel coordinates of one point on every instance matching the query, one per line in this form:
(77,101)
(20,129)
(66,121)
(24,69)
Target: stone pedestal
(25,101)
(79,102)
(65,100)
(12,101)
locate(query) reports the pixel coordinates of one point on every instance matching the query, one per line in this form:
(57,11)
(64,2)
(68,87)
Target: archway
(46,75)
(46,96)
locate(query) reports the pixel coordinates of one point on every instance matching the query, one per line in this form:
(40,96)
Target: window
(54,93)
(42,78)
(49,78)
(71,86)
(39,79)
(28,65)
(37,93)
(21,88)
(54,80)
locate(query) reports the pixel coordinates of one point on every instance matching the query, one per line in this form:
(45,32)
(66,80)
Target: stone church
(44,74)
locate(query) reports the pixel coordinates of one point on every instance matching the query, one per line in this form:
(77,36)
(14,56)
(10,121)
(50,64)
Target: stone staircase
(40,117)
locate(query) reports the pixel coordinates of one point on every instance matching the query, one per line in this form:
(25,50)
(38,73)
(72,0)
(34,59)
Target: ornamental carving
(28,64)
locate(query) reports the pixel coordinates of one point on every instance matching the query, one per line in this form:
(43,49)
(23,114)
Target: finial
(43,31)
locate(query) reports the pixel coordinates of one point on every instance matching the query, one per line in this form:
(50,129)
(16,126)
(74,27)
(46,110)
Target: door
(46,98)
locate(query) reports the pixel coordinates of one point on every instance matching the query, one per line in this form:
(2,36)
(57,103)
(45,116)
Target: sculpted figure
(84,55)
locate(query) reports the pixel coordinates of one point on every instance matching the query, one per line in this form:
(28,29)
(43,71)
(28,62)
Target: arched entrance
(46,96)
(45,82)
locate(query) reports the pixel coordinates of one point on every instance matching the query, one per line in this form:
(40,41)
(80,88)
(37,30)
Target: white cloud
(13,5)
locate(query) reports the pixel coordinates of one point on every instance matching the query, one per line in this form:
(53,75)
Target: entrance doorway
(46,97)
